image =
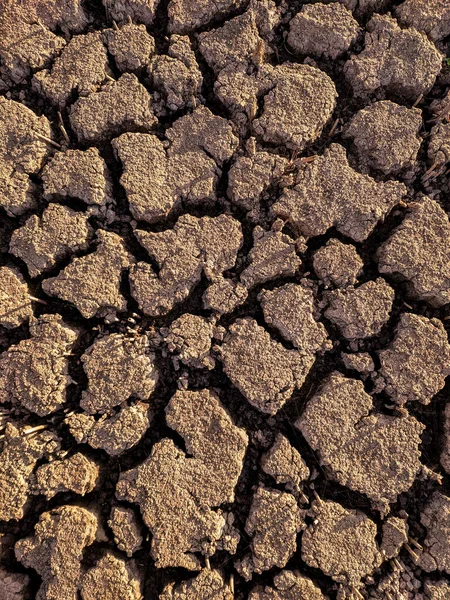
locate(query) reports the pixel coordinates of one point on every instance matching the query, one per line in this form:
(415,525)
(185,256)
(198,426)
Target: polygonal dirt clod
(322,30)
(20,454)
(190,337)
(360,312)
(436,518)
(193,246)
(186,16)
(207,584)
(15,303)
(437,590)
(115,434)
(122,105)
(224,295)
(330,193)
(43,242)
(350,531)
(375,454)
(415,365)
(14,586)
(140,11)
(337,264)
(92,282)
(290,309)
(56,549)
(130,46)
(111,578)
(34,373)
(22,152)
(273,523)
(273,255)
(284,463)
(126,529)
(361,362)
(288,586)
(418,252)
(176,493)
(297,108)
(80,69)
(77,174)
(385,136)
(117,368)
(263,370)
(439,145)
(432,17)
(78,474)
(394,536)
(399,61)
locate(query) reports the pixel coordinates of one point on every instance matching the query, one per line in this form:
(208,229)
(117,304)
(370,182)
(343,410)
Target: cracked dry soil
(224,300)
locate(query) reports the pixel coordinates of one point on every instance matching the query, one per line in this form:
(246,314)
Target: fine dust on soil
(224,300)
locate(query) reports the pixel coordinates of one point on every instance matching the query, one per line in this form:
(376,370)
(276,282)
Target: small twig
(38,300)
(411,552)
(130,20)
(414,543)
(357,592)
(116,27)
(418,101)
(63,129)
(428,173)
(232,583)
(35,429)
(333,128)
(207,563)
(47,140)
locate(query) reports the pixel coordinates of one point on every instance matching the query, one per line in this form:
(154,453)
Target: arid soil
(224,300)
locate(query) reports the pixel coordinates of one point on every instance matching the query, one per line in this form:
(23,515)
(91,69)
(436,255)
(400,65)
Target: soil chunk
(288,585)
(361,362)
(445,454)
(18,459)
(273,523)
(190,336)
(375,454)
(130,46)
(56,548)
(291,309)
(436,519)
(139,11)
(224,295)
(78,474)
(323,30)
(34,373)
(14,585)
(437,590)
(207,584)
(115,434)
(193,246)
(126,529)
(119,106)
(284,463)
(386,136)
(439,146)
(15,303)
(394,536)
(176,493)
(80,69)
(44,241)
(117,368)
(273,255)
(111,578)
(417,252)
(22,153)
(185,16)
(337,264)
(360,312)
(416,363)
(398,61)
(92,282)
(432,17)
(330,193)
(349,530)
(263,370)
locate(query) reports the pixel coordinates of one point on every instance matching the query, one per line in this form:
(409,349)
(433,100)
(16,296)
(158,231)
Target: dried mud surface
(224,300)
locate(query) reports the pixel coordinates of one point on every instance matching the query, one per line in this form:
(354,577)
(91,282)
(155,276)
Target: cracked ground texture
(224,300)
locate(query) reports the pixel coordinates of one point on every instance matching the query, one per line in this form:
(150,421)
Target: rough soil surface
(224,300)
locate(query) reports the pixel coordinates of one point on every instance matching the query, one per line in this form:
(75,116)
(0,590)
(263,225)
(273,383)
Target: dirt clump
(288,585)
(15,301)
(56,548)
(117,107)
(18,459)
(285,464)
(436,548)
(386,137)
(363,8)
(273,523)
(140,11)
(445,453)
(185,16)
(224,295)
(432,17)
(92,282)
(111,578)
(126,529)
(394,536)
(190,338)
(262,369)
(361,362)
(34,373)
(372,453)
(329,192)
(360,312)
(323,30)
(414,366)
(14,586)
(437,590)
(337,264)
(78,474)
(131,46)
(207,584)
(439,145)
(42,242)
